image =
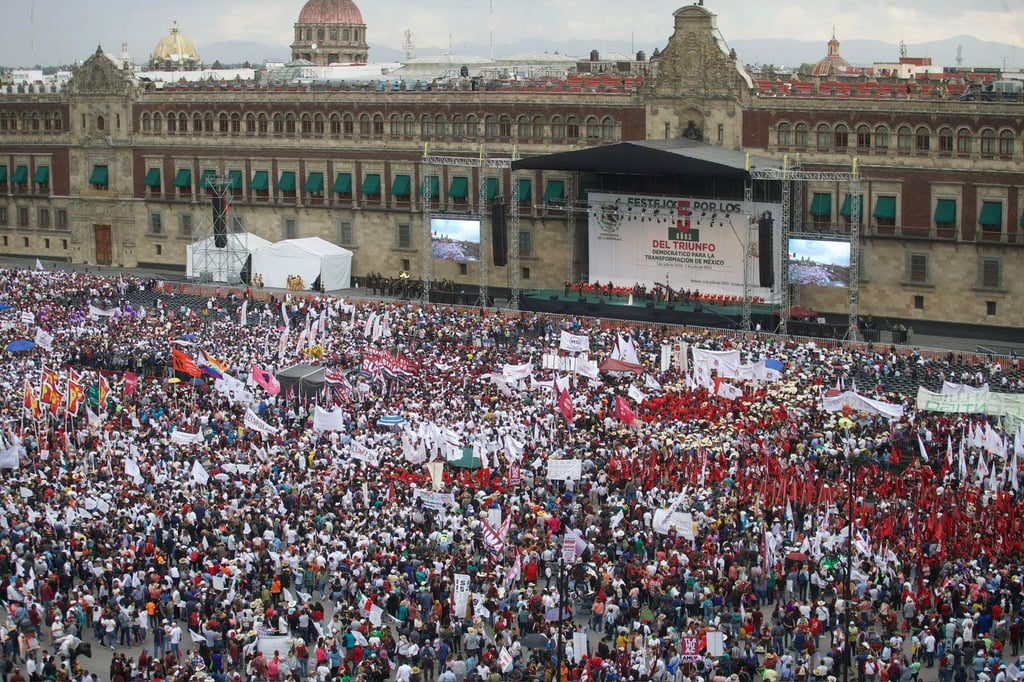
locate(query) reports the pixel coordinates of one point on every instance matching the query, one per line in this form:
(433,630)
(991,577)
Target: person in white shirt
(403,673)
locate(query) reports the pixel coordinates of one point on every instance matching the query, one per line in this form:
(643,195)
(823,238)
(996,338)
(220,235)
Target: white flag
(244,315)
(636,394)
(253,421)
(39,265)
(574,343)
(131,469)
(199,474)
(44,339)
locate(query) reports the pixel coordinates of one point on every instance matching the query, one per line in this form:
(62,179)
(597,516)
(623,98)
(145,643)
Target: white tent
(204,260)
(309,258)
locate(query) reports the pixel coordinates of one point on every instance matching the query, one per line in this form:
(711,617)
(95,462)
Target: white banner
(695,244)
(998,404)
(328,420)
(564,469)
(460,594)
(517,372)
(726,363)
(861,403)
(27,318)
(364,454)
(574,343)
(252,421)
(666,519)
(949,388)
(435,500)
(186,438)
(43,339)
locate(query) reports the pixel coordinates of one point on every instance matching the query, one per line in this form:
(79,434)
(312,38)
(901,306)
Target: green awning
(1022,219)
(286,183)
(459,188)
(585,189)
(371,185)
(555,191)
(235,179)
(206,178)
(342,184)
(3,174)
(183,180)
(524,189)
(885,208)
(435,186)
(42,176)
(847,207)
(821,206)
(401,186)
(991,214)
(314,184)
(21,175)
(99,176)
(945,211)
(491,188)
(152,178)
(260,181)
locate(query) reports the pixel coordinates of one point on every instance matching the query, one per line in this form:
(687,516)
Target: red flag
(181,362)
(48,392)
(266,380)
(390,496)
(565,405)
(623,412)
(514,475)
(31,402)
(131,380)
(103,392)
(76,391)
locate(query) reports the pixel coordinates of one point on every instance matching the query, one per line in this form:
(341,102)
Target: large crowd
(471,512)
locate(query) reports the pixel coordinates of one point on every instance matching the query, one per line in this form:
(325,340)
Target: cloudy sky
(62,31)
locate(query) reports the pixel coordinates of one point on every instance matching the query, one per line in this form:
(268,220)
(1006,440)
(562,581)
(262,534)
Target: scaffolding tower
(220,254)
(431,169)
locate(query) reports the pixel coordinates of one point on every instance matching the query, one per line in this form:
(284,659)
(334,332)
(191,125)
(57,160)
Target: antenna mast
(407,44)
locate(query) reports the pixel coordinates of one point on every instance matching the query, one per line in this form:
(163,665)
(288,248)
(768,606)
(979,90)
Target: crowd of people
(464,510)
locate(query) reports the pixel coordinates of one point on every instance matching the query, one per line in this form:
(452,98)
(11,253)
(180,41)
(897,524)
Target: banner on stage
(681,243)
(564,469)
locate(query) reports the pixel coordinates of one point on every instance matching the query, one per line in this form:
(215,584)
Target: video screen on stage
(455,238)
(819,262)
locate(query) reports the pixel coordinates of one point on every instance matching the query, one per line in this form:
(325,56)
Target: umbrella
(534,640)
(174,380)
(20,345)
(796,556)
(845,423)
(391,420)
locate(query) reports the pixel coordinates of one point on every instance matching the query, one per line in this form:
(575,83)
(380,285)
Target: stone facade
(916,154)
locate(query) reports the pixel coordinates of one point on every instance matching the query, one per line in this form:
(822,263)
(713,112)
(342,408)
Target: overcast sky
(62,31)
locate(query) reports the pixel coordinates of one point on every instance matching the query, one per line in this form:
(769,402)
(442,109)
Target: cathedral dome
(330,12)
(175,51)
(832,64)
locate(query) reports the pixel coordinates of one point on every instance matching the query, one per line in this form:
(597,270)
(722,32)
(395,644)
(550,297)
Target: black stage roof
(679,157)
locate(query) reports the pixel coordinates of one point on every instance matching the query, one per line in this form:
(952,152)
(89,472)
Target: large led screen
(455,238)
(819,262)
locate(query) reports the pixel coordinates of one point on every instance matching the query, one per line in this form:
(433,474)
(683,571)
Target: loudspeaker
(220,222)
(765,263)
(499,233)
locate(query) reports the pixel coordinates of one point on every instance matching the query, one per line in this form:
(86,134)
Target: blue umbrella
(391,420)
(20,345)
(4,306)
(772,363)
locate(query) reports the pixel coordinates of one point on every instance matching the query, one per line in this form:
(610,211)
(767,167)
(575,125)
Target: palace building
(111,170)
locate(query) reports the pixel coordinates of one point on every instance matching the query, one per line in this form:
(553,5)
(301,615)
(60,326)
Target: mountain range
(779,52)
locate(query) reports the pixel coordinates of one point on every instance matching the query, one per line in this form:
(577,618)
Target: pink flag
(623,412)
(266,380)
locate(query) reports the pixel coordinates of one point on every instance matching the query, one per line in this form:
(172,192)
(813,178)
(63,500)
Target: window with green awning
(314,184)
(885,208)
(235,179)
(260,181)
(945,212)
(433,183)
(100,177)
(371,185)
(152,178)
(3,175)
(491,188)
(821,205)
(991,214)
(206,178)
(554,192)
(20,175)
(183,179)
(42,176)
(342,184)
(286,183)
(401,186)
(459,188)
(525,189)
(846,209)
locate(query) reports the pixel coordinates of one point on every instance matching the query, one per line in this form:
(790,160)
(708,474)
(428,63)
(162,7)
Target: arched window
(3,120)
(320,34)
(335,124)
(490,126)
(922,139)
(101,124)
(538,128)
(364,124)
(261,123)
(348,125)
(1005,143)
(608,129)
(289,124)
(47,122)
(882,138)
(440,126)
(824,136)
(309,34)
(278,124)
(183,122)
(223,124)
(988,141)
(472,126)
(557,128)
(318,124)
(147,122)
(378,124)
(172,123)
(35,123)
(236,123)
(946,140)
(903,138)
(58,121)
(395,125)
(841,137)
(158,122)
(458,127)
(784,135)
(863,137)
(426,126)
(334,35)
(344,34)
(505,127)
(307,124)
(250,124)
(593,128)
(802,136)
(572,128)
(408,125)
(523,127)
(208,122)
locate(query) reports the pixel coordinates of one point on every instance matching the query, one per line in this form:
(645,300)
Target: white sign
(253,421)
(682,522)
(564,469)
(695,244)
(435,500)
(574,343)
(460,592)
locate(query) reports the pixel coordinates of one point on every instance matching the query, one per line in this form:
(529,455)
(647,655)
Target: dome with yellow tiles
(175,52)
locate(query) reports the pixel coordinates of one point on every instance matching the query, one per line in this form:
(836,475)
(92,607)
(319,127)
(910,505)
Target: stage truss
(793,179)
(209,263)
(432,163)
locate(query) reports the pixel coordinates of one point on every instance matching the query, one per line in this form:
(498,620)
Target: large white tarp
(309,258)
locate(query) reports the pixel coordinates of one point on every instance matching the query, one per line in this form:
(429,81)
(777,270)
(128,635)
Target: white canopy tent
(308,258)
(205,261)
